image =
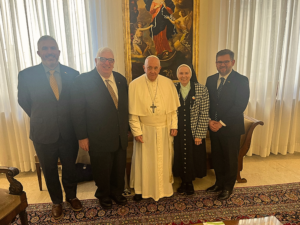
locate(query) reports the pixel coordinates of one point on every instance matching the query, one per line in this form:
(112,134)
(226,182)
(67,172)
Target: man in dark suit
(228,95)
(43,93)
(100,118)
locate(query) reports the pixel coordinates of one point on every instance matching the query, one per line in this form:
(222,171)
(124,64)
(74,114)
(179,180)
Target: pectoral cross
(153,107)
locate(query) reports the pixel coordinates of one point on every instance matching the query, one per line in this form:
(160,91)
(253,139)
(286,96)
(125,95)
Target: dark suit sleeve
(23,94)
(78,109)
(240,103)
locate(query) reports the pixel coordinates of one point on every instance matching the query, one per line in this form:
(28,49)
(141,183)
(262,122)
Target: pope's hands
(198,141)
(174,132)
(84,144)
(139,138)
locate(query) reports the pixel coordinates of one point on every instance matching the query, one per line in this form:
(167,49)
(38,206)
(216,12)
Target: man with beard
(228,96)
(43,93)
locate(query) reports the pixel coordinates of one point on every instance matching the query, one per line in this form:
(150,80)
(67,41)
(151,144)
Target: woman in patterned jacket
(189,144)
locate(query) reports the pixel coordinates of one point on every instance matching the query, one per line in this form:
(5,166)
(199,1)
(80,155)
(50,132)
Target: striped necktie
(219,91)
(112,93)
(53,84)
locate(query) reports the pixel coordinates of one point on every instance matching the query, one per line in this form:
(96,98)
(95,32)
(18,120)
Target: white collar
(226,76)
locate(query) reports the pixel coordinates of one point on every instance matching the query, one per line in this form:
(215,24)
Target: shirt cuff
(224,125)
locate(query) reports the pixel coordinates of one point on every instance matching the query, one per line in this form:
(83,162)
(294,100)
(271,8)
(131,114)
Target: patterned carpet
(281,201)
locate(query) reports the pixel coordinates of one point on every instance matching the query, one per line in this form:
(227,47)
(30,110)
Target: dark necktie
(219,91)
(221,86)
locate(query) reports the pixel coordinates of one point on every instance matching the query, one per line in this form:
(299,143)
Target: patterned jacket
(199,109)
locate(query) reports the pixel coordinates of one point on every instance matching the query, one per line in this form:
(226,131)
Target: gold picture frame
(130,60)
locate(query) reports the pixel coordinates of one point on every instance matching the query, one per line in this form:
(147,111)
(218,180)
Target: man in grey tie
(228,95)
(43,93)
(100,118)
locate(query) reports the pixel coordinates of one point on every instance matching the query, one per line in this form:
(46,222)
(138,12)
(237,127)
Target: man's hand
(198,141)
(174,132)
(219,125)
(213,125)
(139,138)
(84,144)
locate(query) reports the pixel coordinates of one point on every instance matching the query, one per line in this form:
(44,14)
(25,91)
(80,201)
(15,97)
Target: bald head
(152,67)
(152,57)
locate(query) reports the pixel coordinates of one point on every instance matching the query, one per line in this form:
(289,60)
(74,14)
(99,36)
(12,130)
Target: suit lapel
(119,86)
(64,81)
(215,84)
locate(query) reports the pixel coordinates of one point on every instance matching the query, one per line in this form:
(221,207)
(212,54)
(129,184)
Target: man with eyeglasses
(229,96)
(100,118)
(153,101)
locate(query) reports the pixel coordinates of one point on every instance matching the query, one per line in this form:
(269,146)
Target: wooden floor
(275,169)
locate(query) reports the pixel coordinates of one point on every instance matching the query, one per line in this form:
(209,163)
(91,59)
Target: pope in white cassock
(153,101)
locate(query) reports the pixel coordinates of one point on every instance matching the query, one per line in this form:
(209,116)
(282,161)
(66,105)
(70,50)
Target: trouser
(48,155)
(108,170)
(225,152)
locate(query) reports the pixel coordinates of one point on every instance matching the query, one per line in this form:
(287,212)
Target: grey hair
(152,56)
(183,65)
(46,37)
(104,49)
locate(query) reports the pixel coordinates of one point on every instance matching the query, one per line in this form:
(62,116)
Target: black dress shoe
(214,188)
(137,197)
(106,202)
(182,188)
(190,188)
(119,199)
(224,195)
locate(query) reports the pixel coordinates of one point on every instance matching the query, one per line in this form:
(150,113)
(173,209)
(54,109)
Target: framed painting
(166,28)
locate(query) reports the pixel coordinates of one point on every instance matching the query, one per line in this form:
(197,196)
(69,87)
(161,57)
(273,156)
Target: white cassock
(151,168)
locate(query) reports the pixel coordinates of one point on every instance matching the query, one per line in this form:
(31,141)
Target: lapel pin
(193,98)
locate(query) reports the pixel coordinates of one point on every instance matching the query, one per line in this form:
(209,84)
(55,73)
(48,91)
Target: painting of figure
(163,28)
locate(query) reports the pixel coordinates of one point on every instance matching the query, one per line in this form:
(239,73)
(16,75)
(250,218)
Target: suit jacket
(198,109)
(94,114)
(231,104)
(49,118)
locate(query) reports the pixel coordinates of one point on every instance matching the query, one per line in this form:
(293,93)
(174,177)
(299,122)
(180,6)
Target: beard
(51,63)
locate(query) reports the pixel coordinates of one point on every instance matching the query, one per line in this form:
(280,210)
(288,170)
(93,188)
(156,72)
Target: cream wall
(209,30)
(207,47)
